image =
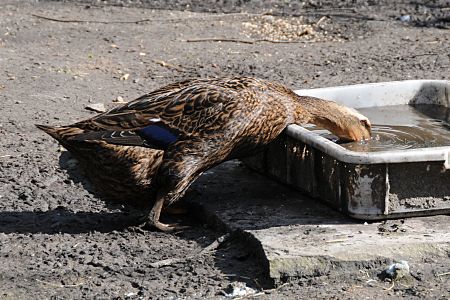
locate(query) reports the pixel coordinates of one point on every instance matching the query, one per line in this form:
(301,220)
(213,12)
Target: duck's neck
(323,113)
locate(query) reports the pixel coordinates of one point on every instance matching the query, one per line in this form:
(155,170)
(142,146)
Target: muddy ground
(58,239)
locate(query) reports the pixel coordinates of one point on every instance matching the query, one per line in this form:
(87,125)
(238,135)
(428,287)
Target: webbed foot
(147,224)
(167,227)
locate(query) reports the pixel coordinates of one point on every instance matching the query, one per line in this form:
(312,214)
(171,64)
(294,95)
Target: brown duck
(174,134)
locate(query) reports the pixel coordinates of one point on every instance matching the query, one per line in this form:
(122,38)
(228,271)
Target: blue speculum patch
(158,136)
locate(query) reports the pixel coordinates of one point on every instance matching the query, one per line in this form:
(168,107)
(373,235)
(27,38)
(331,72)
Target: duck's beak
(359,131)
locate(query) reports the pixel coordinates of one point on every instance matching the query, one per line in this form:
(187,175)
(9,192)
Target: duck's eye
(365,123)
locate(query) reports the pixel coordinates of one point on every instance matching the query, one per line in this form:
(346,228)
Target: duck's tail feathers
(60,133)
(47,129)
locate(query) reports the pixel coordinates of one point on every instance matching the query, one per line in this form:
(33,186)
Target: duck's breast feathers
(184,108)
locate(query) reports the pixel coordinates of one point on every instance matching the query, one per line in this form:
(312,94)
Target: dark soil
(58,239)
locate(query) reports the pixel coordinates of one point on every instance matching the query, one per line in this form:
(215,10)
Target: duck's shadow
(61,220)
(117,216)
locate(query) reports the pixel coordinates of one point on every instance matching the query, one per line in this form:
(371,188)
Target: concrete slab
(299,236)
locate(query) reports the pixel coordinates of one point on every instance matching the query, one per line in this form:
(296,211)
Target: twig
(443,274)
(170,261)
(214,245)
(320,20)
(220,40)
(336,241)
(89,21)
(167,65)
(218,16)
(282,42)
(232,40)
(275,289)
(250,296)
(234,275)
(256,281)
(423,54)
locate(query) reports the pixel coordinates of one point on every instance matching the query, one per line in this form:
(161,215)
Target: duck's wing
(117,137)
(178,110)
(71,135)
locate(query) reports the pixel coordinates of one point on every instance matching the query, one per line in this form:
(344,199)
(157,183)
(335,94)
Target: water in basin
(400,127)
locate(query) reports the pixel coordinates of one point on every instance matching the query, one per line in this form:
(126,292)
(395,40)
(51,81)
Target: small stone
(405,18)
(97,107)
(142,54)
(119,99)
(397,270)
(130,294)
(125,76)
(238,289)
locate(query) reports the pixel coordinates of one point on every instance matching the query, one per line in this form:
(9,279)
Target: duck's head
(346,123)
(356,127)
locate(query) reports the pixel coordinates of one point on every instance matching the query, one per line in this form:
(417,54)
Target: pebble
(119,99)
(405,18)
(238,289)
(97,107)
(397,270)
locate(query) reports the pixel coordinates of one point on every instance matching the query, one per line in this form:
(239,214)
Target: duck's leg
(166,197)
(153,217)
(177,172)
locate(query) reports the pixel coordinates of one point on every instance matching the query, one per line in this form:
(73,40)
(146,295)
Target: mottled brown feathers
(199,123)
(120,173)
